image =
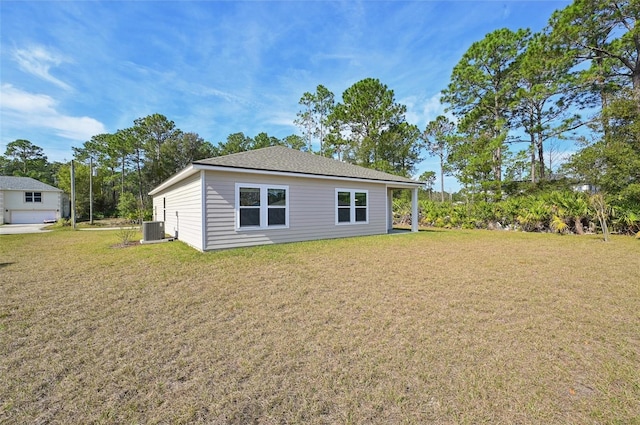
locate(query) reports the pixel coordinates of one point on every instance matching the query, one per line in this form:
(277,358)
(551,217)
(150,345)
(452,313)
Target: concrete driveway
(17,229)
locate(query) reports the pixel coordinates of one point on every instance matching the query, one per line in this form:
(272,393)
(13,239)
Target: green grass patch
(430,327)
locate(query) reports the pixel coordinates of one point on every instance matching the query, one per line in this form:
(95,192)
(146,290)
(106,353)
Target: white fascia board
(404,185)
(190,170)
(388,183)
(32,190)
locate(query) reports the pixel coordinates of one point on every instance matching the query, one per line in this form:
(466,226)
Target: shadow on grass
(402,230)
(5,265)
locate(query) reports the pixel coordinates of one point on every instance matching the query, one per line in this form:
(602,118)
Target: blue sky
(73,69)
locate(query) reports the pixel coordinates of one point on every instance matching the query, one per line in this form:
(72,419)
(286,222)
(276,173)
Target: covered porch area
(414,214)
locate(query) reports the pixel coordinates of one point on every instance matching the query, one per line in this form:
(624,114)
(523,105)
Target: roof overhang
(11,189)
(181,175)
(194,168)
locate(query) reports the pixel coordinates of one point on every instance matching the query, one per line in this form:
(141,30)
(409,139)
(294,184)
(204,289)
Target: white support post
(73,195)
(415,217)
(389,210)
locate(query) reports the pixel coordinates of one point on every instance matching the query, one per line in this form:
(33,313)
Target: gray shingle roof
(24,183)
(283,159)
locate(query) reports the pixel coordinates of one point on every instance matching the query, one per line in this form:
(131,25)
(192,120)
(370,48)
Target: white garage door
(27,217)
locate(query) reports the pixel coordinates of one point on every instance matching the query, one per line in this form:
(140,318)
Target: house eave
(10,189)
(186,172)
(389,183)
(195,167)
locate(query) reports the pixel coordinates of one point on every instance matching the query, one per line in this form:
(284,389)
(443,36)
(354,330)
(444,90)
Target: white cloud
(282,118)
(23,109)
(421,111)
(22,102)
(38,61)
(432,107)
(229,97)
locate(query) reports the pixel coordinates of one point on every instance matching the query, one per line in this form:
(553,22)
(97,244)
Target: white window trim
(352,208)
(264,208)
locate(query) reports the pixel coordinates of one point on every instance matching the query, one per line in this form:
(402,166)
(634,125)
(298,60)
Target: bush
(130,208)
(562,212)
(63,222)
(125,235)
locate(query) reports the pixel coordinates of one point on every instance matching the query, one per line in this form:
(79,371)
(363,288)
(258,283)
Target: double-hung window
(33,196)
(352,206)
(260,206)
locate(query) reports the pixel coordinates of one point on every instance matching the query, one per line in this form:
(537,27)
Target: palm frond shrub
(401,211)
(535,217)
(625,220)
(573,208)
(559,225)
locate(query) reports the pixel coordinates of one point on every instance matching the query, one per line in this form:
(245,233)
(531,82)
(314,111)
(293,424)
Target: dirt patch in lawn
(126,245)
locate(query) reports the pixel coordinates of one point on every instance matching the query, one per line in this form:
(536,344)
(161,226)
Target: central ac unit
(152,230)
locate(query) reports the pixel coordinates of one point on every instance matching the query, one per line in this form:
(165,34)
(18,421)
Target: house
(586,188)
(276,195)
(26,200)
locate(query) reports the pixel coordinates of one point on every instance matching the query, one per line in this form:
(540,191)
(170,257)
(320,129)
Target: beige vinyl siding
(185,198)
(2,208)
(312,210)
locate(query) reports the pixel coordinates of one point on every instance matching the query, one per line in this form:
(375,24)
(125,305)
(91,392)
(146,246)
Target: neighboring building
(586,188)
(25,200)
(276,195)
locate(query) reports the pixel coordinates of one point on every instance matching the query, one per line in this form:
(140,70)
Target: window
(260,206)
(276,207)
(249,206)
(352,206)
(33,196)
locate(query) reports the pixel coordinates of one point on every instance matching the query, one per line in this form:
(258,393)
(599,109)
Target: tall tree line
(577,79)
(125,165)
(23,158)
(368,128)
(129,163)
